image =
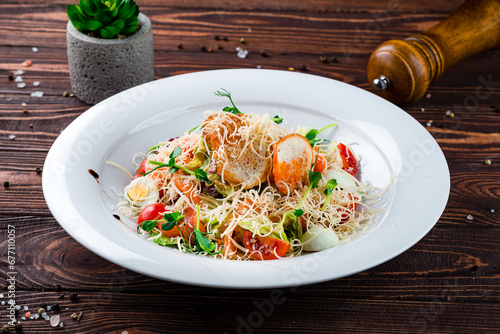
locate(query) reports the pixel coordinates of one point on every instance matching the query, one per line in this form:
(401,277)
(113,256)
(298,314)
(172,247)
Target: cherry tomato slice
(349,163)
(264,248)
(152,212)
(155,212)
(142,168)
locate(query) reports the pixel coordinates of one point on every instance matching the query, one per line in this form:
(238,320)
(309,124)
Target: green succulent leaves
(106,18)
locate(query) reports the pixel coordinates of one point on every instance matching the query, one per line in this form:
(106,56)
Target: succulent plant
(106,18)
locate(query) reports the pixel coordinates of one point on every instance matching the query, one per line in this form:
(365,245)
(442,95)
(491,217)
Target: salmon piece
(292,160)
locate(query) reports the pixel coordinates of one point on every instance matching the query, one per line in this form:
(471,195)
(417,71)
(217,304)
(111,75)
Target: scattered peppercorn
(180,46)
(323,59)
(263,53)
(25,110)
(220,47)
(31,125)
(74,316)
(38,170)
(58,287)
(333,59)
(225,38)
(65,94)
(304,68)
(203,48)
(5,328)
(56,307)
(43,305)
(42,310)
(242,40)
(79,317)
(18,327)
(73,296)
(61,296)
(11,77)
(217,37)
(6,184)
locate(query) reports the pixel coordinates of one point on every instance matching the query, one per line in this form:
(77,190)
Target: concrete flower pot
(99,68)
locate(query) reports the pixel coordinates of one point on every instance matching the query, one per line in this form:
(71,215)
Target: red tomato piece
(264,248)
(155,212)
(142,168)
(349,163)
(152,212)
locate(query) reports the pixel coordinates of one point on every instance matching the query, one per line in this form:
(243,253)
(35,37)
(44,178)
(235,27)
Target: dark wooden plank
(446,283)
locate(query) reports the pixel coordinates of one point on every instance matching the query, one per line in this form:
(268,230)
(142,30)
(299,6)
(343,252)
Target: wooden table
(447,283)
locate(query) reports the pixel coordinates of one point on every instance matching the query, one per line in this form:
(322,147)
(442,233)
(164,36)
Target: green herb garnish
(227,94)
(330,185)
(276,119)
(199,173)
(311,135)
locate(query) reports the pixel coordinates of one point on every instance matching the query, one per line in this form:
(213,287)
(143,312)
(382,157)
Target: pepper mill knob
(402,70)
(381,83)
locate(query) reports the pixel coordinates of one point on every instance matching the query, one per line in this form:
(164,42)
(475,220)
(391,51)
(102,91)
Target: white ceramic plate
(389,140)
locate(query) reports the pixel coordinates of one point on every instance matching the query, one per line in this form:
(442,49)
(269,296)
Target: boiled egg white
(319,238)
(142,191)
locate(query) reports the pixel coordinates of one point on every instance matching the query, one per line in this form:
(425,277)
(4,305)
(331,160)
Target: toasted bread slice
(292,159)
(238,160)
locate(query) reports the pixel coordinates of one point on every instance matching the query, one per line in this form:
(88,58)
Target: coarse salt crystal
(31,317)
(492,210)
(49,308)
(37,316)
(37,94)
(19,79)
(14,137)
(54,320)
(124,332)
(36,83)
(19,72)
(469,217)
(1,295)
(448,112)
(21,84)
(34,49)
(242,53)
(429,124)
(61,324)
(422,109)
(17,306)
(259,67)
(3,302)
(23,318)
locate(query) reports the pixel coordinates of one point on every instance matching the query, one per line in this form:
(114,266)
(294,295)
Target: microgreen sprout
(311,135)
(147,225)
(172,219)
(199,173)
(227,94)
(276,119)
(200,240)
(330,185)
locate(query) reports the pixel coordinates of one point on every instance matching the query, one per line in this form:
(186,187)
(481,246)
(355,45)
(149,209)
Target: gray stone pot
(99,68)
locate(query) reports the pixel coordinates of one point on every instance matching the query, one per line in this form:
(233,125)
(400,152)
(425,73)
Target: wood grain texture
(449,282)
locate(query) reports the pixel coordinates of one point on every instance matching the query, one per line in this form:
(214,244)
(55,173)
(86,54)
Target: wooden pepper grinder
(402,70)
